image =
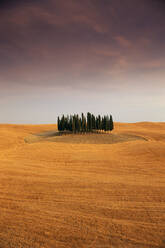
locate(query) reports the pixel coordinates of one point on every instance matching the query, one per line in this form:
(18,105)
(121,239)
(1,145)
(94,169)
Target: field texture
(94,191)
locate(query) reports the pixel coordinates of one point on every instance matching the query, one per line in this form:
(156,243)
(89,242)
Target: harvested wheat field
(99,190)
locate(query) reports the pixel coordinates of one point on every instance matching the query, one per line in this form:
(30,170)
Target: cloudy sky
(102,56)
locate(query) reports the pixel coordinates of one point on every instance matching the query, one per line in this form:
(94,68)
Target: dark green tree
(83,123)
(111,123)
(63,123)
(93,122)
(89,122)
(70,123)
(58,123)
(99,122)
(78,124)
(74,124)
(107,123)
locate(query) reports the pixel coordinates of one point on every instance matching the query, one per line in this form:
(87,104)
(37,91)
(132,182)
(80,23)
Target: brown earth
(94,191)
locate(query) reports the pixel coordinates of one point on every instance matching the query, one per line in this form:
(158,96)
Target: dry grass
(71,194)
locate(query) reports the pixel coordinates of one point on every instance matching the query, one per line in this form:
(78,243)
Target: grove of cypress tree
(74,123)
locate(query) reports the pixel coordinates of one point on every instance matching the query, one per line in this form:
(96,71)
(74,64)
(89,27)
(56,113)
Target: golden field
(82,191)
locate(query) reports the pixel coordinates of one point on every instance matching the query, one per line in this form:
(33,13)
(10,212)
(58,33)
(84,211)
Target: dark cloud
(76,42)
(9,4)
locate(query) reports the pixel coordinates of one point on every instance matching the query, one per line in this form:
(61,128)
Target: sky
(64,57)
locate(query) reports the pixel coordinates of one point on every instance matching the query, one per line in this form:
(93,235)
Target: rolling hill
(99,190)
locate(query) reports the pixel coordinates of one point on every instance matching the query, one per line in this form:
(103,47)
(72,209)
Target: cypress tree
(74,124)
(88,118)
(104,123)
(99,122)
(107,123)
(58,123)
(62,123)
(78,124)
(89,122)
(111,123)
(70,123)
(83,123)
(93,122)
(65,123)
